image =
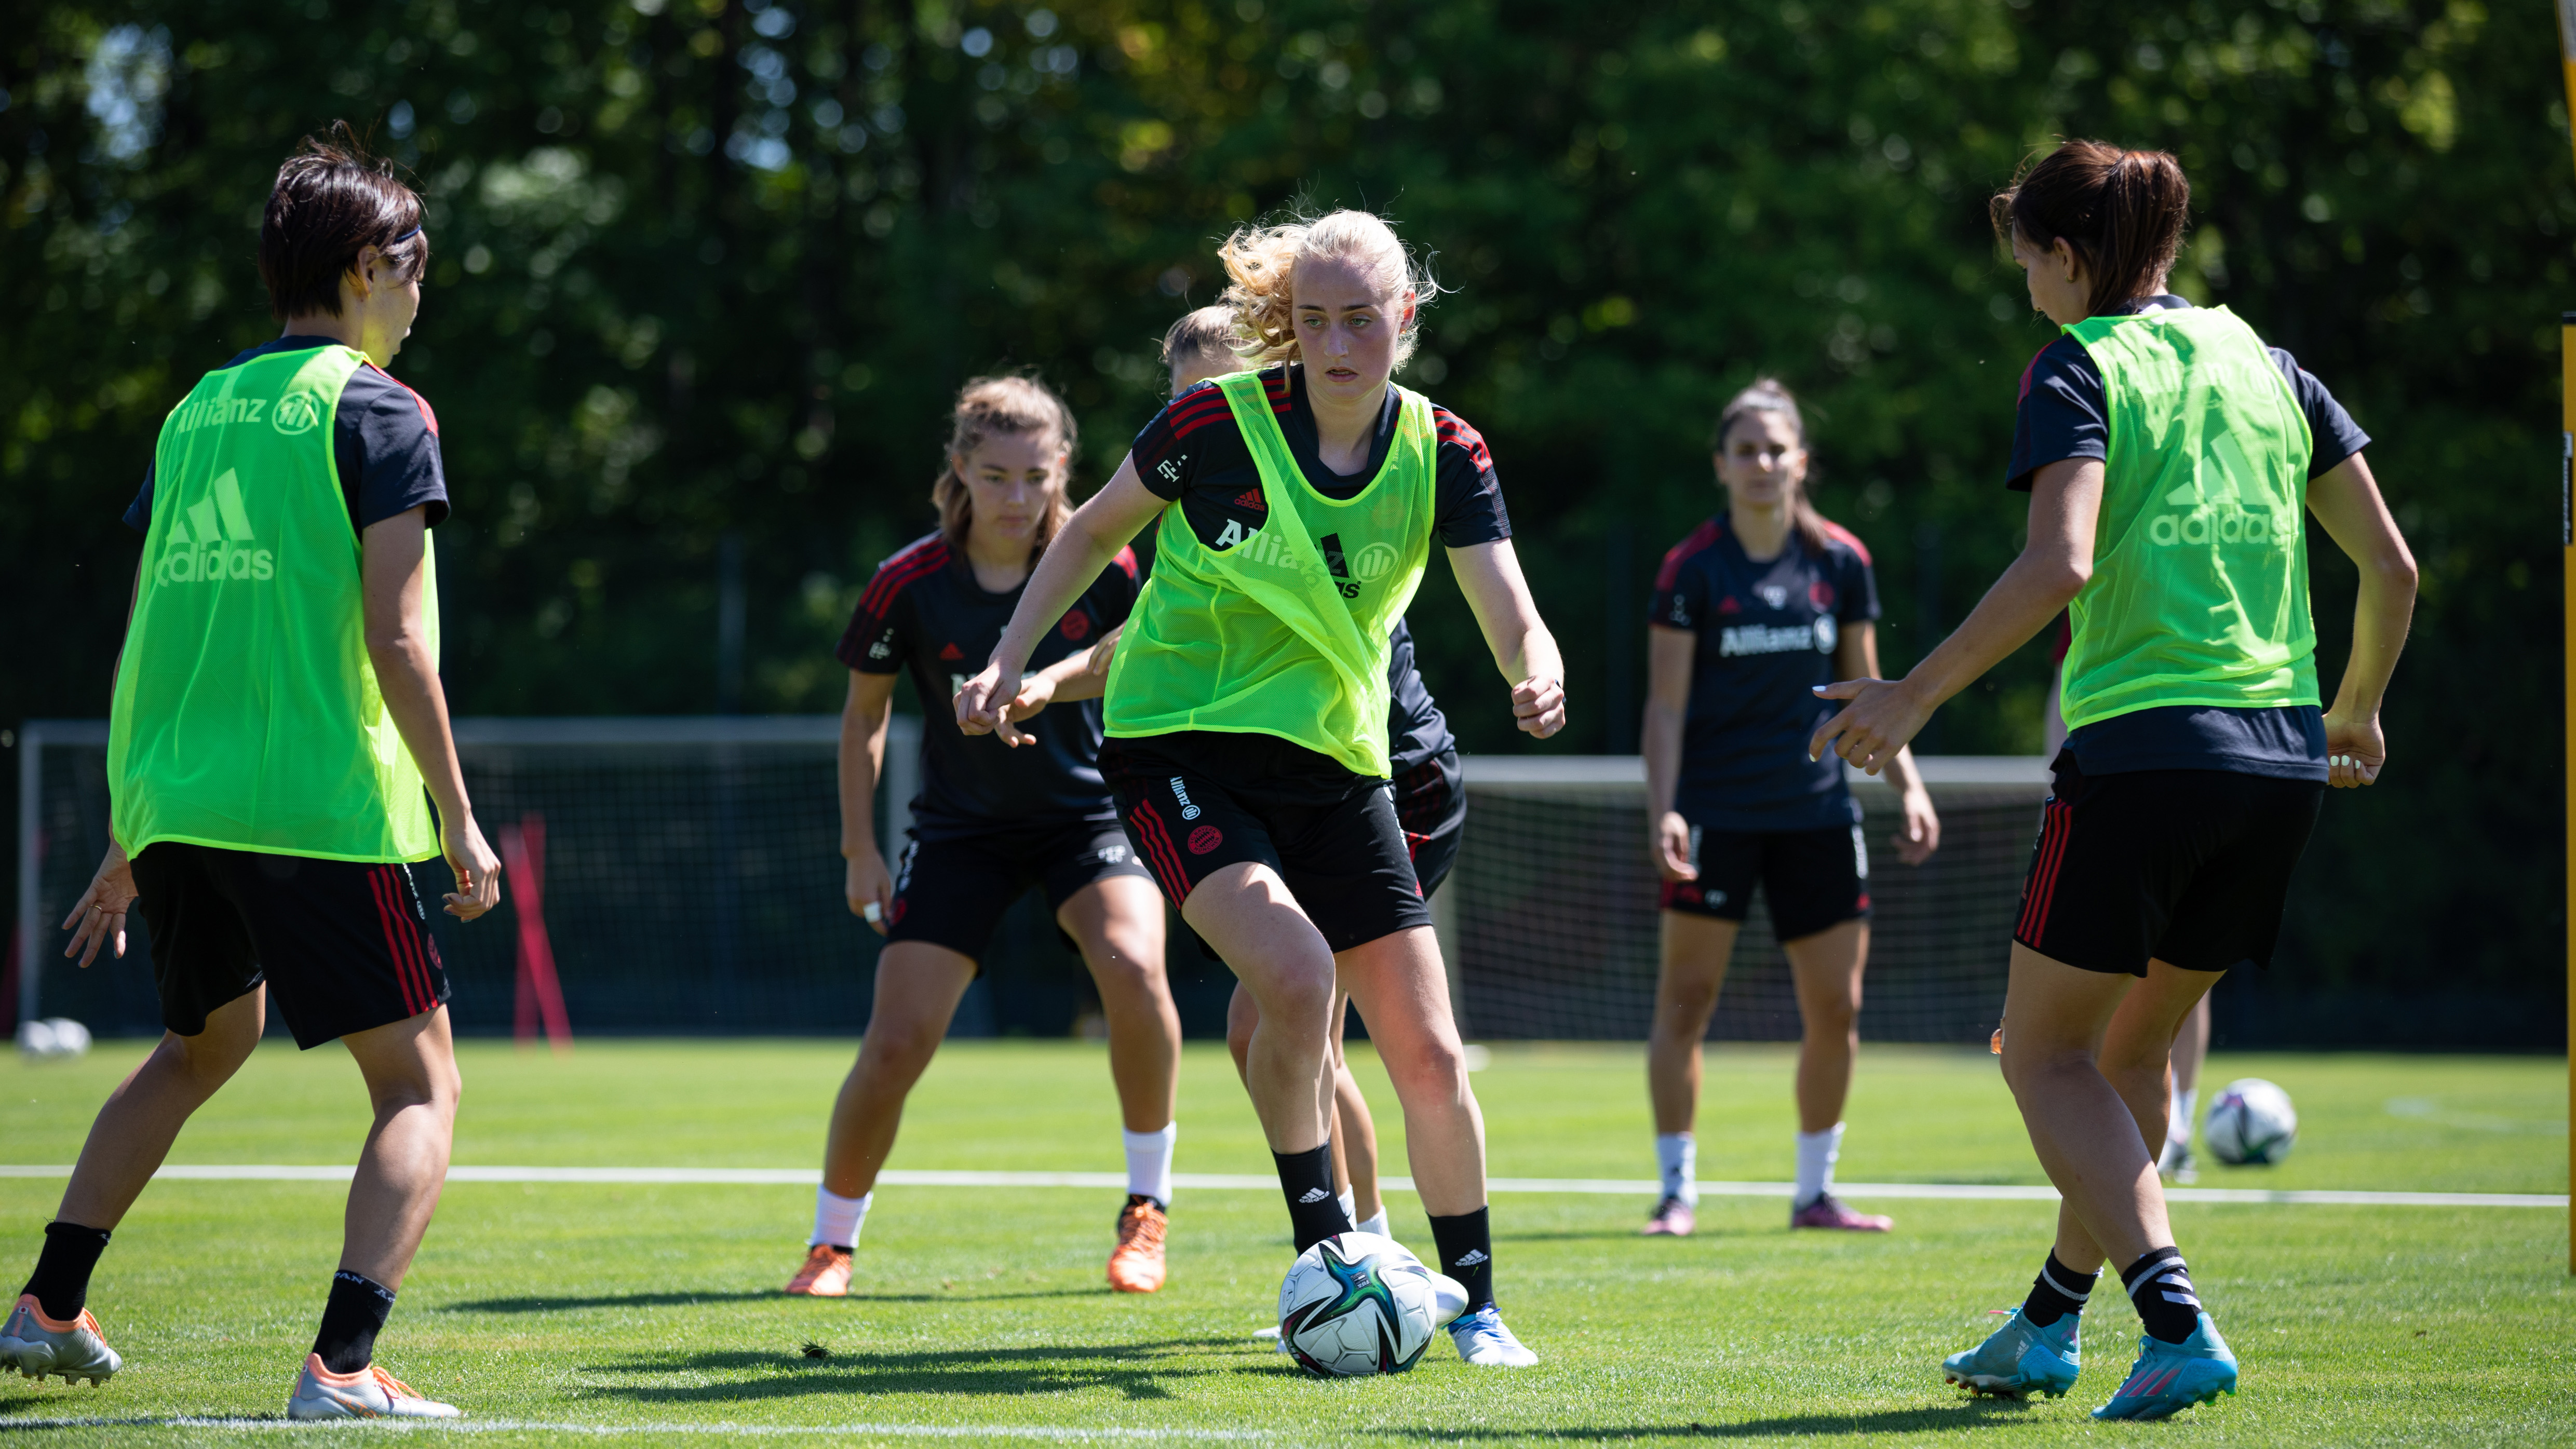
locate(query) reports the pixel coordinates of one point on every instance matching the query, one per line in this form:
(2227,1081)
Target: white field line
(720,1430)
(1226,1182)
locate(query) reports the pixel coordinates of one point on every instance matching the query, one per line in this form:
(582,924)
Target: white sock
(1816,1154)
(837,1219)
(1149,1162)
(1376,1224)
(1350,1207)
(1677,1153)
(2178,1120)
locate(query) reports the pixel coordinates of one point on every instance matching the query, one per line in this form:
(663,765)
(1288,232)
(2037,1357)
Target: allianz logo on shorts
(212,541)
(1791,639)
(1181,793)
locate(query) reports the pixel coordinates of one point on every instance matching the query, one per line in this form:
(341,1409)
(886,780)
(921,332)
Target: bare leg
(1826,968)
(1695,952)
(2093,1146)
(1118,923)
(143,1115)
(2191,1046)
(1354,1131)
(918,988)
(411,1076)
(1403,991)
(1248,917)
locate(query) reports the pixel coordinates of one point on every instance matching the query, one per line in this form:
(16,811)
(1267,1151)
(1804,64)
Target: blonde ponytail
(1261,265)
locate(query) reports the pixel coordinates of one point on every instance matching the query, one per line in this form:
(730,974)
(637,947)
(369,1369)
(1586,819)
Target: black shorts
(1813,879)
(1199,801)
(343,946)
(2189,867)
(952,891)
(1431,807)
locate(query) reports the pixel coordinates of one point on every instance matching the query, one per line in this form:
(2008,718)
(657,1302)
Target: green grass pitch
(981,1315)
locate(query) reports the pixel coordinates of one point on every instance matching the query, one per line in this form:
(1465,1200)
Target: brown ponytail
(1768,395)
(2122,212)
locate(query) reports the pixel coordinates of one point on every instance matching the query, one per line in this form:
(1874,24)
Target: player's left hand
(99,916)
(1037,691)
(2355,750)
(1882,716)
(1539,705)
(1922,833)
(983,705)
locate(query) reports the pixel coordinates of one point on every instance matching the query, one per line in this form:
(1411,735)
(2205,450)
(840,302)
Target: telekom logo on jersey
(213,541)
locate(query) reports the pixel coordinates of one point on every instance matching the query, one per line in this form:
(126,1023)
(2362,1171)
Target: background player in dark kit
(992,821)
(1761,604)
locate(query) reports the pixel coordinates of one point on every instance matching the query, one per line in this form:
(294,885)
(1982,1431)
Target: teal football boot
(2020,1358)
(2174,1376)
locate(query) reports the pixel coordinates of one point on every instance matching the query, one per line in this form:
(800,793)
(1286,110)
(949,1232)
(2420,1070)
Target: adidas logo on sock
(1314,1195)
(1251,498)
(1471,1259)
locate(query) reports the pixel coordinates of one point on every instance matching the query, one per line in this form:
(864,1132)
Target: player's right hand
(983,705)
(98,917)
(478,871)
(865,883)
(1672,847)
(2356,751)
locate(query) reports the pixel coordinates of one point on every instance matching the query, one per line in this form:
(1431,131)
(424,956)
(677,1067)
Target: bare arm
(1856,657)
(393,562)
(1089,540)
(1669,655)
(866,882)
(2065,504)
(98,917)
(1489,574)
(1081,675)
(2346,502)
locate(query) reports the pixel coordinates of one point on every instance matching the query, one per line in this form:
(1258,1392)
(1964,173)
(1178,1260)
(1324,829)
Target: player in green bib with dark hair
(2169,455)
(277,738)
(1247,710)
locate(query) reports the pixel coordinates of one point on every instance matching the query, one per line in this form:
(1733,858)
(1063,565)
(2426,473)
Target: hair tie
(406,236)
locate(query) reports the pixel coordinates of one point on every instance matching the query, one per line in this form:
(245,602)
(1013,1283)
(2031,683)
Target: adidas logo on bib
(211,541)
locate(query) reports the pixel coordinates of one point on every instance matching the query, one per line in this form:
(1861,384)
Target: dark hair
(333,198)
(1768,395)
(2121,211)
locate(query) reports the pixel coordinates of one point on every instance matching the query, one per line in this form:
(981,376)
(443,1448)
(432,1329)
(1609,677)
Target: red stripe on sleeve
(1699,541)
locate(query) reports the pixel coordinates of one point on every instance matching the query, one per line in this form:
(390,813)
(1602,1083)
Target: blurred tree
(711,266)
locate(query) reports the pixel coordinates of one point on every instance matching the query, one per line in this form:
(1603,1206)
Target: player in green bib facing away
(1247,709)
(277,716)
(2168,454)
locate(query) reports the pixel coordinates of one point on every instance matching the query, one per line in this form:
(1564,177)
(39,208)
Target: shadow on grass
(1138,1371)
(1617,1235)
(559,1303)
(1967,1414)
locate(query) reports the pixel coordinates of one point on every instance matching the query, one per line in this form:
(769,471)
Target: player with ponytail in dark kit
(1761,603)
(2169,455)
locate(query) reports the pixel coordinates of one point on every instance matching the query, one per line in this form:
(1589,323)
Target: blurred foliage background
(707,271)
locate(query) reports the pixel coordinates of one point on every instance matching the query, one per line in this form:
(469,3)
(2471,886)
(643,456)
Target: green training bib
(2199,594)
(247,713)
(1281,628)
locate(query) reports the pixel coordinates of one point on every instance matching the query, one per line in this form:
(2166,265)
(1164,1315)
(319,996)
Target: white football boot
(36,1345)
(370,1393)
(1482,1340)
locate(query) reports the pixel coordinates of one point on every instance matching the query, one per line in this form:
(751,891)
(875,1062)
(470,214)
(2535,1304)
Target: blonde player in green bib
(2170,456)
(277,718)
(1247,709)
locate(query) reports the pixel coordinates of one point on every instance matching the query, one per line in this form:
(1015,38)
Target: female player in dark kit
(2169,455)
(992,822)
(1247,707)
(1758,606)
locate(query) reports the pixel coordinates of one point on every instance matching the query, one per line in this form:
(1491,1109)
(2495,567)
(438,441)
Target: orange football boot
(826,1273)
(1137,1264)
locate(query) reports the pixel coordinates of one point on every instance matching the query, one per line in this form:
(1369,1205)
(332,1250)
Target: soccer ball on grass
(1357,1304)
(2251,1124)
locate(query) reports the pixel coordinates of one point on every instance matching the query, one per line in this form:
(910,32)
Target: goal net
(1551,912)
(691,881)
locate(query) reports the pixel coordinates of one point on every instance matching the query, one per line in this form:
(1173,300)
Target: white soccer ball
(2251,1123)
(1357,1304)
(52,1038)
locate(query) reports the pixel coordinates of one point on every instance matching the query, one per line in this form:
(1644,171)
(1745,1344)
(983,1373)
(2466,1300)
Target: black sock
(2161,1288)
(1306,1180)
(2057,1292)
(351,1320)
(1466,1244)
(61,1279)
